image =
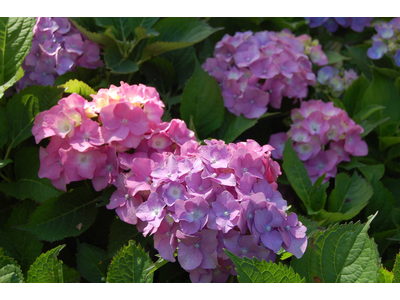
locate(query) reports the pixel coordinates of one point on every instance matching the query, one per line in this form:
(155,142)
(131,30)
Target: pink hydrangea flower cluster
(197,198)
(57,47)
(322,136)
(333,81)
(256,70)
(203,198)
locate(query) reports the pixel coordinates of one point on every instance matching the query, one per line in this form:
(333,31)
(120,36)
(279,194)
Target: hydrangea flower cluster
(333,81)
(322,136)
(57,47)
(197,198)
(387,40)
(254,70)
(332,24)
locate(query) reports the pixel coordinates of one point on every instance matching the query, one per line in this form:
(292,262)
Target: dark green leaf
(129,265)
(202,100)
(63,215)
(28,185)
(354,94)
(3,127)
(46,268)
(255,271)
(233,126)
(343,253)
(353,163)
(372,170)
(90,262)
(47,96)
(4,162)
(370,125)
(79,87)
(334,57)
(160,72)
(15,42)
(388,72)
(117,63)
(366,111)
(360,58)
(88,27)
(71,275)
(183,62)
(387,141)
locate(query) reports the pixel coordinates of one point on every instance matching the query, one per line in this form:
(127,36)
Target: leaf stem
(5,178)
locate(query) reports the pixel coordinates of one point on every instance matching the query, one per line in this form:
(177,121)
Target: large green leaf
(202,101)
(359,55)
(387,141)
(88,27)
(118,63)
(233,126)
(10,271)
(15,42)
(176,33)
(79,87)
(343,253)
(370,171)
(159,73)
(71,275)
(48,96)
(129,265)
(354,94)
(90,262)
(382,92)
(256,271)
(68,215)
(20,113)
(47,268)
(28,185)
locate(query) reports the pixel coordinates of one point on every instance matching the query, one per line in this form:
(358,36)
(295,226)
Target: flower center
(267,228)
(197,245)
(287,228)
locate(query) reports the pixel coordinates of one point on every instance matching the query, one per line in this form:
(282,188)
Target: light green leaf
(176,33)
(202,100)
(11,274)
(343,253)
(233,126)
(79,87)
(334,57)
(10,83)
(63,215)
(20,113)
(117,63)
(46,268)
(129,266)
(255,271)
(28,185)
(15,42)
(4,162)
(366,111)
(90,262)
(385,276)
(396,269)
(354,94)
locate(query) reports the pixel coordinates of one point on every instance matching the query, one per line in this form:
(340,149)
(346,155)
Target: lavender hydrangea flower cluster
(333,81)
(258,69)
(322,136)
(57,47)
(197,198)
(387,40)
(332,24)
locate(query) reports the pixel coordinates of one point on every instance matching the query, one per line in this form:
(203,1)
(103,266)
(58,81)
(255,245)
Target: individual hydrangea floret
(332,24)
(57,47)
(322,136)
(386,40)
(333,81)
(257,70)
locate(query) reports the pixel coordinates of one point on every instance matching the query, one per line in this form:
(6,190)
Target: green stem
(5,178)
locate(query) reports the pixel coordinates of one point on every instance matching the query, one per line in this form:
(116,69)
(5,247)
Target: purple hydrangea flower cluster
(387,40)
(254,70)
(332,24)
(57,47)
(333,81)
(197,198)
(322,136)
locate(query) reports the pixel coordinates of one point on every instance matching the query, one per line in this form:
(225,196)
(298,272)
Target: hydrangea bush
(196,151)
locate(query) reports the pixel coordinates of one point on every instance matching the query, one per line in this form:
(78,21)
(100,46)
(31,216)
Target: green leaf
(255,271)
(318,195)
(352,164)
(384,202)
(117,63)
(176,33)
(202,100)
(343,253)
(370,125)
(372,170)
(46,268)
(47,96)
(90,262)
(354,94)
(296,173)
(10,83)
(385,276)
(3,127)
(88,27)
(28,185)
(359,55)
(15,42)
(334,57)
(366,112)
(311,225)
(71,275)
(389,72)
(62,215)
(4,162)
(183,62)
(79,87)
(11,274)
(233,126)
(129,266)
(387,141)
(160,72)
(396,269)
(382,91)
(20,112)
